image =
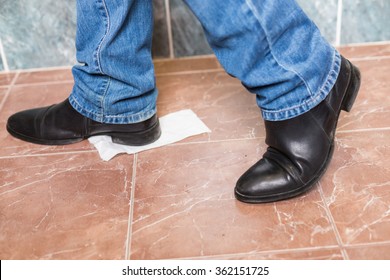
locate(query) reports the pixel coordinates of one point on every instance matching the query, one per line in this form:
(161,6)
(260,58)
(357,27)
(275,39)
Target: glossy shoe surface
(60,124)
(299,149)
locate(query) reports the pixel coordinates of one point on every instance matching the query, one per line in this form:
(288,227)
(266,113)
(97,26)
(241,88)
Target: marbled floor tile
(218,99)
(315,254)
(356,187)
(64,207)
(365,51)
(6,79)
(22,98)
(3,90)
(184,206)
(372,252)
(45,76)
(170,66)
(372,106)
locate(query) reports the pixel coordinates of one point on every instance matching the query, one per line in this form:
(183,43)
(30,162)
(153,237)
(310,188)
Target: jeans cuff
(147,113)
(313,101)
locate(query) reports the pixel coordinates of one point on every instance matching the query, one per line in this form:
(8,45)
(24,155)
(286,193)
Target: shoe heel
(352,90)
(137,138)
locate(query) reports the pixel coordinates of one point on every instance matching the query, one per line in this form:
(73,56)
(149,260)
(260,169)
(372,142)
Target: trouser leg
(274,49)
(114,82)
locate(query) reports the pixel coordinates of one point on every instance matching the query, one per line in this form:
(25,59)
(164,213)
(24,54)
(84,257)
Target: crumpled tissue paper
(174,127)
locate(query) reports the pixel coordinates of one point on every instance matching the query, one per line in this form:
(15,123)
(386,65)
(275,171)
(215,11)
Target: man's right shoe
(60,124)
(299,149)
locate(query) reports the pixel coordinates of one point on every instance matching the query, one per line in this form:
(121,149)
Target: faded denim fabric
(114,82)
(271,46)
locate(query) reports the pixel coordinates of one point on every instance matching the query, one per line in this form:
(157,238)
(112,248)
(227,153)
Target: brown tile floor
(177,201)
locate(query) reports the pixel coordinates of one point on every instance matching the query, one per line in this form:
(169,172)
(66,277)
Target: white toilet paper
(174,127)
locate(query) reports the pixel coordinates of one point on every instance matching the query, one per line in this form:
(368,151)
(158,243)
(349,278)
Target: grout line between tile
(49,154)
(184,58)
(369,58)
(191,72)
(364,130)
(131,208)
(366,44)
(44,83)
(8,91)
(364,245)
(215,141)
(333,223)
(42,69)
(263,253)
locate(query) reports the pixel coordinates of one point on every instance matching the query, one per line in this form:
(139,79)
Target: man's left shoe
(300,148)
(60,124)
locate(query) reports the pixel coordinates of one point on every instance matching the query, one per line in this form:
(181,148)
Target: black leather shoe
(301,148)
(60,124)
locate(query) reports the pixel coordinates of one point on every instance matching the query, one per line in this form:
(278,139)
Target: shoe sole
(141,138)
(43,141)
(346,105)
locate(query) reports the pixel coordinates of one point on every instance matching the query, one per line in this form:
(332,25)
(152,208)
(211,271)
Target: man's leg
(114,92)
(300,81)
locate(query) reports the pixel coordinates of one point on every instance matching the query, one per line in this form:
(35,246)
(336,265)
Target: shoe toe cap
(22,124)
(263,182)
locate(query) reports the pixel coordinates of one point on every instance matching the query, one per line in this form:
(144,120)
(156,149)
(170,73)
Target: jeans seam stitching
(252,9)
(104,37)
(82,108)
(104,96)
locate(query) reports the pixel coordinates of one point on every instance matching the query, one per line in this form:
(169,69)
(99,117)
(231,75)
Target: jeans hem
(313,101)
(117,119)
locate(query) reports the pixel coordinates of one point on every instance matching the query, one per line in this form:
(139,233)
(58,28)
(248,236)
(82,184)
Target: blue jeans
(271,46)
